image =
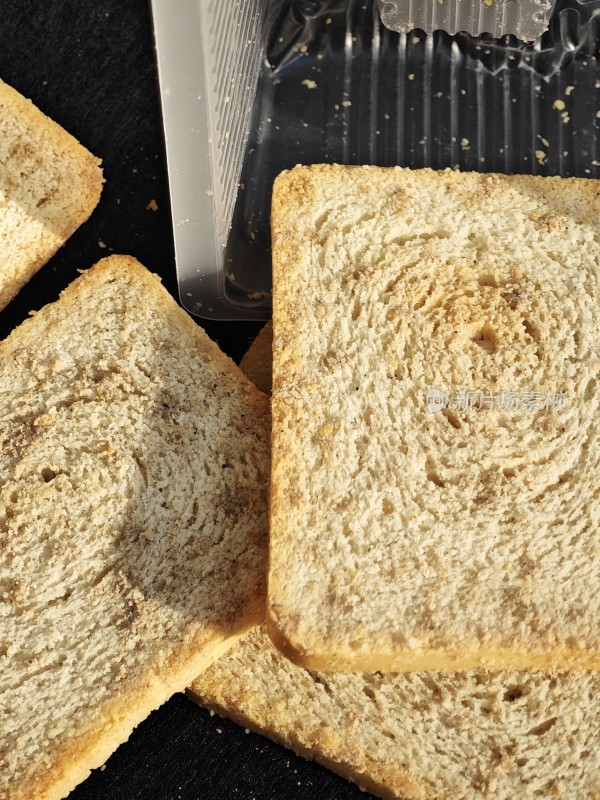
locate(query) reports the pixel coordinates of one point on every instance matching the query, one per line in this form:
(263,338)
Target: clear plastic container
(336,85)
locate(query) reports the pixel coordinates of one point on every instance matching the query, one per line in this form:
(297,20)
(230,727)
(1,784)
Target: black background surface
(91,66)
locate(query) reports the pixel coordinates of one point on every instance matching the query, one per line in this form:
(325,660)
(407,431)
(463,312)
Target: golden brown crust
(404,787)
(348,660)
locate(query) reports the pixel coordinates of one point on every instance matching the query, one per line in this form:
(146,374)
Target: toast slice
(49,186)
(436,463)
(422,736)
(133,520)
(472,735)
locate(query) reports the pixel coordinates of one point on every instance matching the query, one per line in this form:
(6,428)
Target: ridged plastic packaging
(525,19)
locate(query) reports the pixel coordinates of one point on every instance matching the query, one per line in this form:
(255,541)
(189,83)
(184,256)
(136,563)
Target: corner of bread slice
(92,749)
(304,649)
(115,267)
(83,188)
(286,639)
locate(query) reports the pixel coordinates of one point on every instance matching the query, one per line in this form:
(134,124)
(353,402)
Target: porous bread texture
(420,736)
(403,539)
(134,467)
(49,186)
(424,736)
(257,363)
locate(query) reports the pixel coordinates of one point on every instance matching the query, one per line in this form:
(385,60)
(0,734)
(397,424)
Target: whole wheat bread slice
(420,736)
(49,186)
(134,466)
(402,538)
(424,736)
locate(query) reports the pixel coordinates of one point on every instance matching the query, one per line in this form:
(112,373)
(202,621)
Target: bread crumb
(568,90)
(103,767)
(328,21)
(347,103)
(411,76)
(488,3)
(309,84)
(102,244)
(464,143)
(559,105)
(152,205)
(258,295)
(541,156)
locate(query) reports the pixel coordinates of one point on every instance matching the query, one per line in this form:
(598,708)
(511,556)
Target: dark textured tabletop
(90,65)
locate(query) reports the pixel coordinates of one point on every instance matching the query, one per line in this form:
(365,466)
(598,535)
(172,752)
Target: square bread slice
(49,186)
(134,467)
(424,736)
(436,463)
